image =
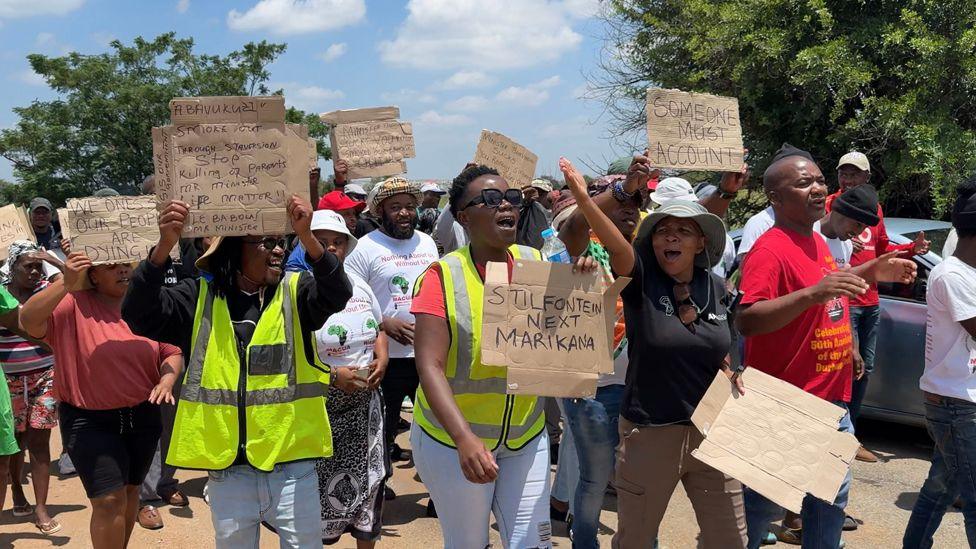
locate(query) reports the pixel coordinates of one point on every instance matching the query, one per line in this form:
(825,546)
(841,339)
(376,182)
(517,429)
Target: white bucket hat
(329,220)
(673,188)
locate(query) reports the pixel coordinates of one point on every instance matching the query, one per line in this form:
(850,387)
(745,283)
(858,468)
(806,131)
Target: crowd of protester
(280,364)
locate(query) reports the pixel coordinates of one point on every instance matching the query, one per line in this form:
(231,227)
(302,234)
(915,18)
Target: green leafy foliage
(894,80)
(97,133)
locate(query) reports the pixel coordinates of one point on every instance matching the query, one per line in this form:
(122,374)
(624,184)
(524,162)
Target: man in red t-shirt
(795,299)
(854,170)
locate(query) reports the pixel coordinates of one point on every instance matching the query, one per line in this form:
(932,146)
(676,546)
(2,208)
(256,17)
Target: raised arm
(35,313)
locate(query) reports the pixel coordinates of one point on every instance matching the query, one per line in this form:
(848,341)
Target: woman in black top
(679,338)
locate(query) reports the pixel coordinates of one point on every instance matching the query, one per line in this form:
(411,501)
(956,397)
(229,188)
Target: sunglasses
(492,198)
(270,243)
(688,311)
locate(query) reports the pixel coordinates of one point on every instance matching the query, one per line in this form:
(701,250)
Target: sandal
(793,536)
(50,528)
(24,510)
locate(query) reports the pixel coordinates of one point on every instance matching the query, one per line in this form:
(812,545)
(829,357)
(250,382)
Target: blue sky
(452,66)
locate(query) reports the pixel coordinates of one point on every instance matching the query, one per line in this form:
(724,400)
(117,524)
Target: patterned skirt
(352,481)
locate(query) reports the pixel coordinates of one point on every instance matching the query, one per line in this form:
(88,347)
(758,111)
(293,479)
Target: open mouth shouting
(505,221)
(672,254)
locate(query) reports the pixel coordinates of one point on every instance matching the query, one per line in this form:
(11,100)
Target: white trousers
(518,498)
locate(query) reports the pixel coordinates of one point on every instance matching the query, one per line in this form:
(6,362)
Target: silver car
(893,392)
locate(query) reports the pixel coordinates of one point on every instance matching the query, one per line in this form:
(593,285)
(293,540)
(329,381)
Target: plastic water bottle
(554,250)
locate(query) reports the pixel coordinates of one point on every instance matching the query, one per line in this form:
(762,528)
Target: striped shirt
(19,356)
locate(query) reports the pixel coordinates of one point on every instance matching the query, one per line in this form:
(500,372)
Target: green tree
(891,79)
(98,131)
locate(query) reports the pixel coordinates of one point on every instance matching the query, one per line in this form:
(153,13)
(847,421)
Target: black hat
(860,204)
(964,210)
(789,150)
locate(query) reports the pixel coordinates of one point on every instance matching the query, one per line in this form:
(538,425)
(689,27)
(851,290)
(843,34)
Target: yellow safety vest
(279,400)
(479,390)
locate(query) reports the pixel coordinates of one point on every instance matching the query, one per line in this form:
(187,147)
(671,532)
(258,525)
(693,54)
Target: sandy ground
(882,496)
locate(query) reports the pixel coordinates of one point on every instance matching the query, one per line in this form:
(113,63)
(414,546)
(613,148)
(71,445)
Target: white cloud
(182,6)
(29,77)
(103,39)
(574,127)
(333,52)
(582,8)
(501,34)
(309,98)
(434,118)
(405,95)
(532,95)
(297,16)
(468,103)
(12,9)
(466,79)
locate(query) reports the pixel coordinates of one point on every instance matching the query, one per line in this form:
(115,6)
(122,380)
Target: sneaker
(849,524)
(149,518)
(399,454)
(865,455)
(407,405)
(65,467)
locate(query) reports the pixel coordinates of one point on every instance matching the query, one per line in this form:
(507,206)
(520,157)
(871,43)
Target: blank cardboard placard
(513,161)
(551,328)
(693,131)
(776,439)
(234,161)
(371,141)
(13,226)
(111,229)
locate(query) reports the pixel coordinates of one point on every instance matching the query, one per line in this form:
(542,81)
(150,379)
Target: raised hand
(837,284)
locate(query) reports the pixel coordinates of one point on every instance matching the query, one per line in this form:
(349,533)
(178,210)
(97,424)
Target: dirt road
(882,496)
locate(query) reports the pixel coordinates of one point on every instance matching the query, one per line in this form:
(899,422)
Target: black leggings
(400,381)
(110,449)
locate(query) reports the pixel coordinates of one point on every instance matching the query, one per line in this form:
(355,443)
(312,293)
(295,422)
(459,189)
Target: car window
(937,237)
(912,292)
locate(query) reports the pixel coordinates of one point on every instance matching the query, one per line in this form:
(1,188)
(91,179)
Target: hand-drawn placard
(234,161)
(693,131)
(371,141)
(112,229)
(776,438)
(552,328)
(513,161)
(13,226)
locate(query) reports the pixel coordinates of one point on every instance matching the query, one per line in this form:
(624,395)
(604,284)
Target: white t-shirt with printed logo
(950,352)
(391,266)
(347,338)
(842,250)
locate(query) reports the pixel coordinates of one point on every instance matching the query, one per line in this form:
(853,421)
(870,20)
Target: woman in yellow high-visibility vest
(478,450)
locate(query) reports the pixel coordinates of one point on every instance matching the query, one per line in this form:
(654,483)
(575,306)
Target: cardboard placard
(371,141)
(693,131)
(14,226)
(776,439)
(235,161)
(513,161)
(552,328)
(111,229)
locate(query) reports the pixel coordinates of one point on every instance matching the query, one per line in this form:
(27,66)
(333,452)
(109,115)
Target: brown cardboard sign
(513,161)
(776,439)
(693,131)
(552,328)
(111,229)
(235,161)
(13,226)
(371,141)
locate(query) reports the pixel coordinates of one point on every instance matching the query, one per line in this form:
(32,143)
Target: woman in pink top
(109,383)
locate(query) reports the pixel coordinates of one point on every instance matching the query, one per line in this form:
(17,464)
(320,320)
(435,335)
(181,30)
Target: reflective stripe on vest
(479,390)
(281,388)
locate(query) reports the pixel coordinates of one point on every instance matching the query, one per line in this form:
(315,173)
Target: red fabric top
(101,364)
(430,299)
(814,351)
(875,241)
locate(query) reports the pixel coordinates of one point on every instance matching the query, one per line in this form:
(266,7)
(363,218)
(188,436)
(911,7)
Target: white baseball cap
(856,159)
(329,220)
(352,188)
(673,188)
(431,187)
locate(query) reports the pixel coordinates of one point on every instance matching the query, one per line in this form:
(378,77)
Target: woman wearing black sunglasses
(679,338)
(477,449)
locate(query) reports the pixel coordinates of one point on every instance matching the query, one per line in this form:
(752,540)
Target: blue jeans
(593,423)
(567,470)
(864,322)
(822,522)
(287,498)
(952,425)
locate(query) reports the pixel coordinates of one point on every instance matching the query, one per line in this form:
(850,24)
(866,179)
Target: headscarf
(17,249)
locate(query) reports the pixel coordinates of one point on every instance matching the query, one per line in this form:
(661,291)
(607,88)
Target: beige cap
(856,159)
